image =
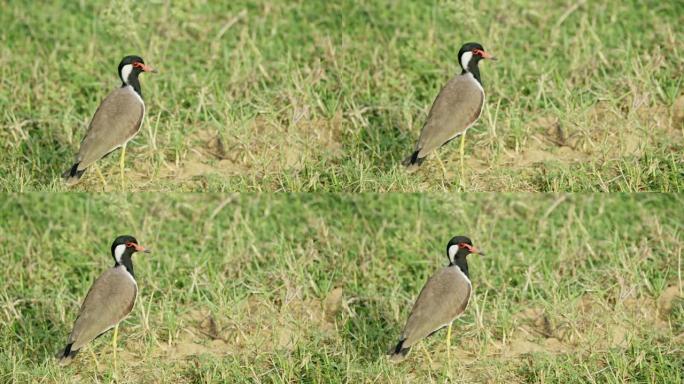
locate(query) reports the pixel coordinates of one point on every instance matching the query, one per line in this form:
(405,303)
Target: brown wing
(443,298)
(458,105)
(109,301)
(115,122)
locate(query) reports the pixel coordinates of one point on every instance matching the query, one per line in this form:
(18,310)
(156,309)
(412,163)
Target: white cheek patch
(465,59)
(126,71)
(453,250)
(119,251)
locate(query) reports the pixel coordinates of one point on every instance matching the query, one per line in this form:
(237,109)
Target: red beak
(144,67)
(140,248)
(483,54)
(471,249)
(487,55)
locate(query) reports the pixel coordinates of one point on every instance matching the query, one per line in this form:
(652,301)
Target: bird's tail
(413,160)
(399,352)
(67,356)
(73,175)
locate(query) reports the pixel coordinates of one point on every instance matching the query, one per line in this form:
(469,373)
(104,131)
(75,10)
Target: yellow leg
(448,342)
(462,150)
(444,171)
(116,333)
(427,354)
(121,166)
(97,365)
(102,179)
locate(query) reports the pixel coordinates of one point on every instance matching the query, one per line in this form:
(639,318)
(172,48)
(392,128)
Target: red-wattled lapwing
(109,300)
(444,297)
(116,121)
(457,106)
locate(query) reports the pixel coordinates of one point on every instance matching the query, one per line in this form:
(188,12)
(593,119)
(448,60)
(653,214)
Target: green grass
(329,96)
(316,288)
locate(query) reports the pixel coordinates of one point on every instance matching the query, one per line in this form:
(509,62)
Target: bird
(456,108)
(109,300)
(116,121)
(444,297)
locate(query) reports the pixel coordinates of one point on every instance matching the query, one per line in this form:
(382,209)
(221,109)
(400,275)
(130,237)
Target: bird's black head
(129,69)
(459,247)
(131,59)
(470,55)
(123,248)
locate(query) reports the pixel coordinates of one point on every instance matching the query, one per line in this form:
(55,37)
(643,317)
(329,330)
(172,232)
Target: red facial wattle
(143,67)
(469,247)
(483,54)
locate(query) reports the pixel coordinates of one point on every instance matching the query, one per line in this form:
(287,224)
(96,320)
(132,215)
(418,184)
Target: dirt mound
(601,131)
(260,326)
(260,148)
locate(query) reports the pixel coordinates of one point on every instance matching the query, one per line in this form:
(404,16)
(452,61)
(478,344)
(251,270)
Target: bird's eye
(137,65)
(129,245)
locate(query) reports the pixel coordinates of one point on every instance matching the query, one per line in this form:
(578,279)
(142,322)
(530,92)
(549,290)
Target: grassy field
(304,288)
(323,96)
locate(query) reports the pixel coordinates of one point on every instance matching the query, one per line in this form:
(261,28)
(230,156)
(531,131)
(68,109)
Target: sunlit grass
(331,96)
(292,288)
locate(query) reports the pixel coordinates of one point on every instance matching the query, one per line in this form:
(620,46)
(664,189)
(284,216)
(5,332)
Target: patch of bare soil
(597,326)
(552,142)
(256,327)
(264,148)
(678,113)
(667,299)
(202,336)
(601,132)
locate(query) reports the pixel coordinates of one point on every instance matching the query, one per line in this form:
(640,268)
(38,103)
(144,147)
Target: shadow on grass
(368,333)
(384,143)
